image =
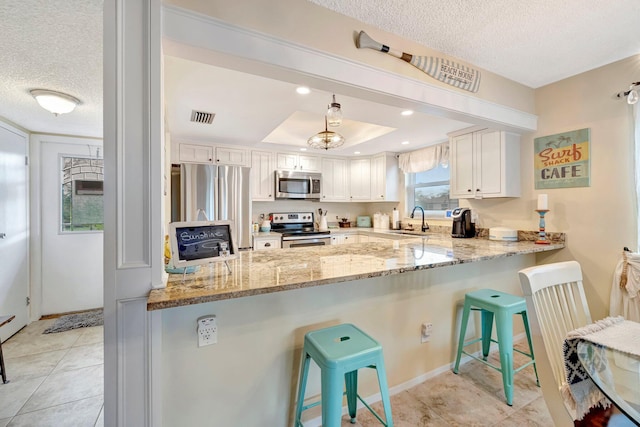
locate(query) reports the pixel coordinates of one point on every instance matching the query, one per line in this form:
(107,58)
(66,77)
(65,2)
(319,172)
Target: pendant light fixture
(326,139)
(334,114)
(55,102)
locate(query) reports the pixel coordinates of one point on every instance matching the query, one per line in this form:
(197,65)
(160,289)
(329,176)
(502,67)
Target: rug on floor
(75,321)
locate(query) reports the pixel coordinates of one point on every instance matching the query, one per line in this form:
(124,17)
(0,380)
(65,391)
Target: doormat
(74,321)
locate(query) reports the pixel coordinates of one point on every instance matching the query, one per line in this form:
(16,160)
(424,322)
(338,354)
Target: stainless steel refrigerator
(220,192)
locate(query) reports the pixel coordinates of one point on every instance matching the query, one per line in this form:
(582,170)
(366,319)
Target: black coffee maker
(462,225)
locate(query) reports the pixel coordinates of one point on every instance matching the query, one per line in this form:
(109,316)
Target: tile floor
(474,397)
(55,379)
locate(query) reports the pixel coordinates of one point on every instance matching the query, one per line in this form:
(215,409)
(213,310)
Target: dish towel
(579,392)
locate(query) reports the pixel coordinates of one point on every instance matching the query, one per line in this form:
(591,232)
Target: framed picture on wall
(563,160)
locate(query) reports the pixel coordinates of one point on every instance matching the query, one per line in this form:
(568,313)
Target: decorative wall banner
(563,160)
(441,69)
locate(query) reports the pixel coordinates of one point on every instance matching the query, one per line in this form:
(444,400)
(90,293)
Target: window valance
(424,159)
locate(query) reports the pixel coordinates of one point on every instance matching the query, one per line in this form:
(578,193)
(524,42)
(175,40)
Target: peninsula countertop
(261,272)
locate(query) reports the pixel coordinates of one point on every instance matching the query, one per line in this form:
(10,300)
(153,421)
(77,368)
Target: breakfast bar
(267,301)
(260,272)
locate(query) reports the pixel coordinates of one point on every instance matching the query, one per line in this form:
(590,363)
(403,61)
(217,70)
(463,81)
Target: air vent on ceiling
(202,117)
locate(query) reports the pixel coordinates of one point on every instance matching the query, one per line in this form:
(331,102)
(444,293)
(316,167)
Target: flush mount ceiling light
(55,102)
(303,90)
(334,114)
(407,112)
(326,139)
(631,94)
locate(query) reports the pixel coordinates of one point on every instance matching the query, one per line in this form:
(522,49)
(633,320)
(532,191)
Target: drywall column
(133,207)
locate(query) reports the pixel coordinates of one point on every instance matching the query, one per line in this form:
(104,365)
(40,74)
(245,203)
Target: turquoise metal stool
(340,351)
(503,306)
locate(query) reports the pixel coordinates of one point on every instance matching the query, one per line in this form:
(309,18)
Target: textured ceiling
(532,42)
(57,45)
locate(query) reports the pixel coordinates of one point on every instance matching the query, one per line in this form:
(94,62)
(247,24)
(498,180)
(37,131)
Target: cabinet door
(334,180)
(287,161)
(232,156)
(195,153)
(378,178)
(360,179)
(309,163)
(266,244)
(350,238)
(337,239)
(262,176)
(462,167)
(488,153)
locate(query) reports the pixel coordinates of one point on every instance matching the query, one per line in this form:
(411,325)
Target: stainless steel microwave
(298,185)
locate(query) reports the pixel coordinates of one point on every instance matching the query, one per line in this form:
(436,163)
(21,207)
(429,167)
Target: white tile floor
(55,379)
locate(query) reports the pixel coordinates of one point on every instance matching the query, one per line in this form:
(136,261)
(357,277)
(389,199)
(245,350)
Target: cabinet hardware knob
(477,189)
(3,235)
(469,190)
(266,245)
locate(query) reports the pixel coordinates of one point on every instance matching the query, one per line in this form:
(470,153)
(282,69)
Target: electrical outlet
(427,328)
(207,330)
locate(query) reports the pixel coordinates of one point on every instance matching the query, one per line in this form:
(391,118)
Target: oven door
(304,241)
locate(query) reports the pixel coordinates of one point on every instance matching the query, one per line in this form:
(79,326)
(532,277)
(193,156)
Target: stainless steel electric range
(298,230)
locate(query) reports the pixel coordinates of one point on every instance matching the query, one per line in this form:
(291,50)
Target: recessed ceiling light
(405,142)
(356,152)
(303,149)
(407,112)
(303,90)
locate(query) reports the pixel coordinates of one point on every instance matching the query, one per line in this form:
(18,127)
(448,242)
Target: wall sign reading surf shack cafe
(563,160)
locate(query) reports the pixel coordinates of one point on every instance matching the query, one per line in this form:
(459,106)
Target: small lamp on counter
(543,208)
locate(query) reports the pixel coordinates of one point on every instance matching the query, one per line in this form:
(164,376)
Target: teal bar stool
(340,351)
(503,306)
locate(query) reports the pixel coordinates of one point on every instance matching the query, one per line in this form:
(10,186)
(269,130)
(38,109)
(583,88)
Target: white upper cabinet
(190,153)
(384,178)
(262,176)
(335,180)
(484,164)
(232,156)
(298,162)
(194,153)
(360,179)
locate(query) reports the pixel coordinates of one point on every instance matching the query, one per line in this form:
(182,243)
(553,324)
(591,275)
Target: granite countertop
(260,272)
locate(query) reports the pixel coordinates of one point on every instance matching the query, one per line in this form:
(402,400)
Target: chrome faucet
(425,226)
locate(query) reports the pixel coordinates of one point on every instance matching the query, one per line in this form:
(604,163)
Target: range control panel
(291,217)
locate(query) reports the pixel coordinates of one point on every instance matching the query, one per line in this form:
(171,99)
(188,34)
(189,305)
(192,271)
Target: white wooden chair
(556,304)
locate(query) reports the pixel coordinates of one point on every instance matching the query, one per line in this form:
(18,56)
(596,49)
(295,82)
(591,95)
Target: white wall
(249,377)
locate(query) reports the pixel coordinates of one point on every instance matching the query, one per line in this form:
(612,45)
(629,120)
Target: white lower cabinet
(265,243)
(343,239)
